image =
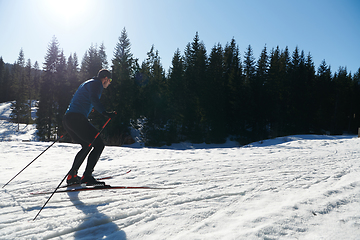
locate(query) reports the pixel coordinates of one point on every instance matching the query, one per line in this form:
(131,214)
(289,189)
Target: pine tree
(297,87)
(62,96)
(176,88)
(285,92)
(91,63)
(343,110)
(46,121)
(235,84)
(215,97)
(36,80)
(20,109)
(323,99)
(252,93)
(73,74)
(259,96)
(278,92)
(195,63)
(249,66)
(176,96)
(154,101)
(120,96)
(103,57)
(84,72)
(29,79)
(310,111)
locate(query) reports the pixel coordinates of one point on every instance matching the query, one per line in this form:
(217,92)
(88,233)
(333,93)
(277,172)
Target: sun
(66,12)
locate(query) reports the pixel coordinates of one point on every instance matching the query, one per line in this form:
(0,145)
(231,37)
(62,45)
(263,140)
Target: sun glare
(67,11)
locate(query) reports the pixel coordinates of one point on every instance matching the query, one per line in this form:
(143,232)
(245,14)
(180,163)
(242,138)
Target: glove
(111,114)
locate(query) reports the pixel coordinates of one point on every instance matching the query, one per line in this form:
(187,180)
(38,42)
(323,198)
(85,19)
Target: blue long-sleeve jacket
(86,97)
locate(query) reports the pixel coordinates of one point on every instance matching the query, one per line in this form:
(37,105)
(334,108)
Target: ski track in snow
(299,187)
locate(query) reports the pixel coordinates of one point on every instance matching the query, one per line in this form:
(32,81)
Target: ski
(106,187)
(98,179)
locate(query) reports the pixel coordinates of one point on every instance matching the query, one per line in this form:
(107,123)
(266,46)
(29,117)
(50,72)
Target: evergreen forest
(205,96)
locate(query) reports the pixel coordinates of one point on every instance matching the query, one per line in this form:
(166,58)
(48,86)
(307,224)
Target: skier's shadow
(95,225)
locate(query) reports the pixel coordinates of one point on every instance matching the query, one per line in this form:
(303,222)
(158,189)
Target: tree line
(202,97)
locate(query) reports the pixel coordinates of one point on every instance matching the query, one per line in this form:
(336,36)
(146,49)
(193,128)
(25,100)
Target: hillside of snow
(295,187)
(10,131)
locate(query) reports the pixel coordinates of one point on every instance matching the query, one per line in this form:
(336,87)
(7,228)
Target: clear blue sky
(328,29)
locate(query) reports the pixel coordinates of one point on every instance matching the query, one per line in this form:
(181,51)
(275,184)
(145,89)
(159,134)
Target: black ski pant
(83,132)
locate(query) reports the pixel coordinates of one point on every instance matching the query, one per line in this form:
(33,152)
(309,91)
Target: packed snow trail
(297,187)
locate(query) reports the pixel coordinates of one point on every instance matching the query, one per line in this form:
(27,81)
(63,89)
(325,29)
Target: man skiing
(76,123)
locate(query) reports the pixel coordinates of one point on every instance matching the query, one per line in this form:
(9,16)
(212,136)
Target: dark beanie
(103,73)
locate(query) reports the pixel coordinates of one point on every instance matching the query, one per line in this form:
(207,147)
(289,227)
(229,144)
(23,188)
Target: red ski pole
(100,131)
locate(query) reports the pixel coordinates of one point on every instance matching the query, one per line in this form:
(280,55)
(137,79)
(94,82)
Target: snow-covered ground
(16,132)
(295,187)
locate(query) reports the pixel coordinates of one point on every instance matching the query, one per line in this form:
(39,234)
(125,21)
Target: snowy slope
(12,131)
(296,187)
